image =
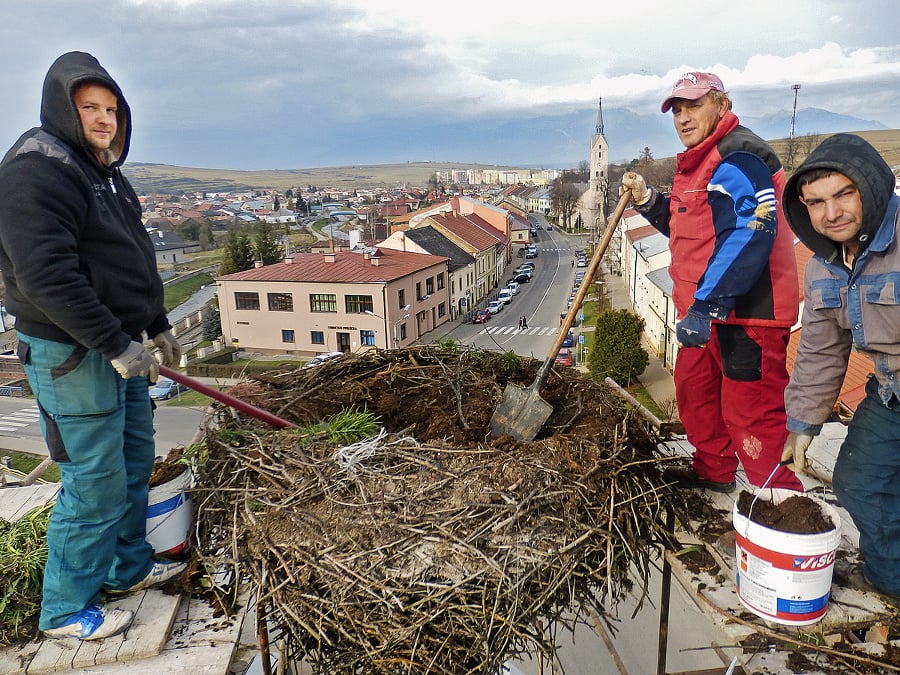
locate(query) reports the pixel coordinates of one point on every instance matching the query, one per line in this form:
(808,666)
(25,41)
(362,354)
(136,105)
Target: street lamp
(796,88)
(395,324)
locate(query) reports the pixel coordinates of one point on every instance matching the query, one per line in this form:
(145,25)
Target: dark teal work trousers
(99,429)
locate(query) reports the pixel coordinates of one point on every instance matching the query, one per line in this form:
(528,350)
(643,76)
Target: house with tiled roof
(481,241)
(464,292)
(314,303)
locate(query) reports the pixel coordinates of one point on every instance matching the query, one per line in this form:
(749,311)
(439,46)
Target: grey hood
(861,163)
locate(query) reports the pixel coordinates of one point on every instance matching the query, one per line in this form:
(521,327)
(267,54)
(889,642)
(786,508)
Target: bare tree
(564,197)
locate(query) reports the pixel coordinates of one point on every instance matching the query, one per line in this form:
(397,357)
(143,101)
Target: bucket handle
(756,496)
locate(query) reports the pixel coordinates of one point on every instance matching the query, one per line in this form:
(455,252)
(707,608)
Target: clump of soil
(796,514)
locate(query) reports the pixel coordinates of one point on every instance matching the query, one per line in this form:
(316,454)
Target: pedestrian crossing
(508,330)
(22,418)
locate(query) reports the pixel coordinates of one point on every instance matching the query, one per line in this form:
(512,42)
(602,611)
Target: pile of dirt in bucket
(796,514)
(431,546)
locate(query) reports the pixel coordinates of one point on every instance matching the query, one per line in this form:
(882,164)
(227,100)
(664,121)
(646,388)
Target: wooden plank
(152,623)
(14,659)
(17,501)
(54,656)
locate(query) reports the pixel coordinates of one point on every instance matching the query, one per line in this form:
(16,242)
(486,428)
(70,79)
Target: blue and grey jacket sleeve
(741,197)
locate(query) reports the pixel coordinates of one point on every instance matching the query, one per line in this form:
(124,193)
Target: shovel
(522,412)
(227,399)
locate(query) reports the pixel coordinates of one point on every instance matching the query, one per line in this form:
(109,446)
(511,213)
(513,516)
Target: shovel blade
(520,414)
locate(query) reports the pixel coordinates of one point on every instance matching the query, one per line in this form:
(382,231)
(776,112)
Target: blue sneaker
(161,572)
(94,623)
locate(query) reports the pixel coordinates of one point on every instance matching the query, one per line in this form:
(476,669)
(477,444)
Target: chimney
(288,260)
(330,256)
(376,261)
(257,263)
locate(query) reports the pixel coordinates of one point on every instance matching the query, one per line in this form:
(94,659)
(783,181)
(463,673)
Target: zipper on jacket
(112,185)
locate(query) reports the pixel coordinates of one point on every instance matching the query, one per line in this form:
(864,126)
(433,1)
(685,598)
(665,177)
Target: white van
(505,296)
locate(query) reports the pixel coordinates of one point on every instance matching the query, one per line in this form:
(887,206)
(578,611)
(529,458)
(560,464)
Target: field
(167,179)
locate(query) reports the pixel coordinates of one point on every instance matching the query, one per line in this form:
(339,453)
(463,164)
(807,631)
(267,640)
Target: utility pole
(796,88)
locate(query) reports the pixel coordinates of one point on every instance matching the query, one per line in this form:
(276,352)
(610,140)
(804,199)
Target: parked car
(522,278)
(569,339)
(581,263)
(513,287)
(505,296)
(495,306)
(481,316)
(549,228)
(319,359)
(165,389)
(565,357)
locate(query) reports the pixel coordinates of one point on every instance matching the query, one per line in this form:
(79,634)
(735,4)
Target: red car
(481,316)
(565,357)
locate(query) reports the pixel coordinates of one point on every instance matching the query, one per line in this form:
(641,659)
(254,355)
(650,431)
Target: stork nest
(433,547)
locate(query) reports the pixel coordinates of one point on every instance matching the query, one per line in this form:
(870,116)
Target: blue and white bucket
(169,517)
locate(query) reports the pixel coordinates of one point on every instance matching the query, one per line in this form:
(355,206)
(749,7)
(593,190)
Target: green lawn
(180,291)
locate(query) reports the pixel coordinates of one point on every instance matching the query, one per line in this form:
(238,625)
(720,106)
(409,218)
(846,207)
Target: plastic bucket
(169,516)
(785,577)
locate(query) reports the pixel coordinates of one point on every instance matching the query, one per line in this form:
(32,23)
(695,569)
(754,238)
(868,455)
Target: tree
(564,195)
(618,351)
(212,325)
(266,244)
(238,255)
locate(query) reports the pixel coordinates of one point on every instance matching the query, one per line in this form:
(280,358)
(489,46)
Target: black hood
(861,163)
(58,114)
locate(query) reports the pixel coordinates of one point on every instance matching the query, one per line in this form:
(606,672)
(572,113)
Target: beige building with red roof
(314,303)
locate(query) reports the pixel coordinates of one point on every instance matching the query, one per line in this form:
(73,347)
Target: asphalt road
(20,428)
(541,301)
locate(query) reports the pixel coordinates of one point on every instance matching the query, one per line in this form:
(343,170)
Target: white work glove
(169,349)
(795,449)
(135,361)
(634,183)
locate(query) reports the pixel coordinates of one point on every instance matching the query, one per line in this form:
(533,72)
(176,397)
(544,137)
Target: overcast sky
(281,84)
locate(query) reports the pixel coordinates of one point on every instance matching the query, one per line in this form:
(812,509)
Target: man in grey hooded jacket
(841,204)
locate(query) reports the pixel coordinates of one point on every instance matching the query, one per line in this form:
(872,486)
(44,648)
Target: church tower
(599,169)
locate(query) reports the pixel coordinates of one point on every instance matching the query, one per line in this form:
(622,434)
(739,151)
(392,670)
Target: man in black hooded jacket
(841,204)
(81,280)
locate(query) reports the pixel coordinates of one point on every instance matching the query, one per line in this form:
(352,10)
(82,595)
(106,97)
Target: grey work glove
(795,449)
(634,183)
(135,361)
(169,349)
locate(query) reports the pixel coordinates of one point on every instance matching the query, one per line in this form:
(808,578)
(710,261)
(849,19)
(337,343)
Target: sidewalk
(656,379)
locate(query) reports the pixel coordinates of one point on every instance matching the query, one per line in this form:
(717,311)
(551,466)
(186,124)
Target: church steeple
(599,130)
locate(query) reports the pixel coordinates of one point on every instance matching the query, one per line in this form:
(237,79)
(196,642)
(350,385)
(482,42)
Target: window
(418,291)
(358,304)
(402,331)
(429,285)
(440,281)
(281,302)
(287,336)
(442,309)
(401,296)
(317,337)
(367,337)
(244,300)
(322,302)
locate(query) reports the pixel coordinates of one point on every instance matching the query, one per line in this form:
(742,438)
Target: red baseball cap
(692,86)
